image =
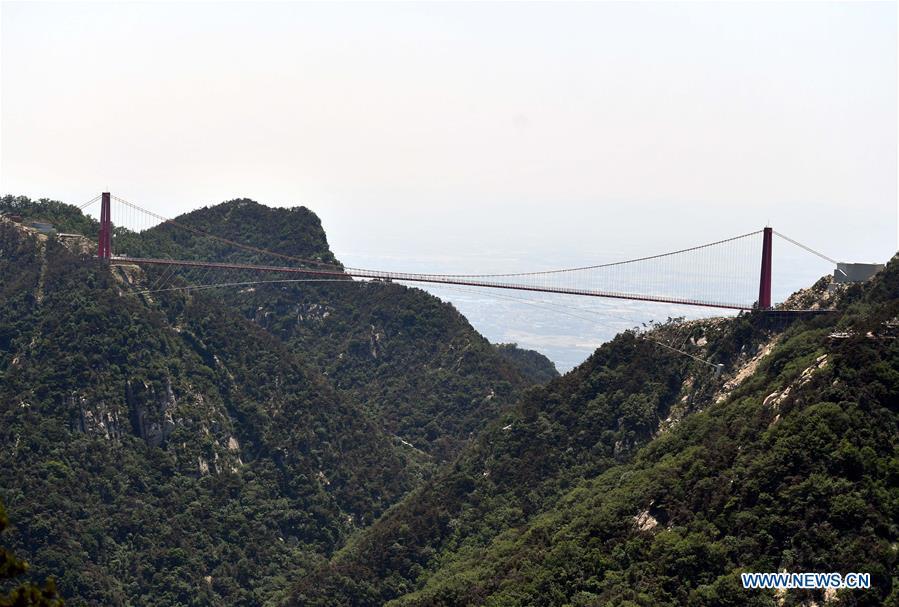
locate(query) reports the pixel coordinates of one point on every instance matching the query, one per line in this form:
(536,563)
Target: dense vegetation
(27,594)
(533,364)
(64,217)
(413,361)
(291,232)
(163,449)
(174,454)
(283,443)
(578,499)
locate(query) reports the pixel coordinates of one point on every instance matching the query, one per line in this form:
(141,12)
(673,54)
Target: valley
(362,444)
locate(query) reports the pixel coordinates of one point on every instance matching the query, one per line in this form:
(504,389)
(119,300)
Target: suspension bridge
(732,274)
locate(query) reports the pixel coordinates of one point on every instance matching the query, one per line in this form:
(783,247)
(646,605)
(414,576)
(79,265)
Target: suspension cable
(809,249)
(247,283)
(494,275)
(538,304)
(547,305)
(228,241)
(81,207)
(673,349)
(602,265)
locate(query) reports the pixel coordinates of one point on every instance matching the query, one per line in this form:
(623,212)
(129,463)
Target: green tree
(26,594)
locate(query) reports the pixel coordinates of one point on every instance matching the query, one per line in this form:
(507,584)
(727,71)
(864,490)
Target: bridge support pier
(104,241)
(765,278)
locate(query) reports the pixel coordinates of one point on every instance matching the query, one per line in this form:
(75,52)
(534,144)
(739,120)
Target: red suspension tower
(765,278)
(104,242)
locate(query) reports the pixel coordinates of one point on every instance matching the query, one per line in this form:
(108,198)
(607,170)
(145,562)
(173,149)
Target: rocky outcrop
(375,341)
(822,295)
(97,418)
(644,521)
(151,413)
(312,312)
(745,368)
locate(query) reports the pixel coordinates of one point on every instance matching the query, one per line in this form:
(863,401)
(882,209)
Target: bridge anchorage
(714,275)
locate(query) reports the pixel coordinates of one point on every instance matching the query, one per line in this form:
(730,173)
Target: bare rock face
(151,412)
(823,294)
(312,313)
(644,521)
(145,413)
(375,341)
(78,244)
(97,418)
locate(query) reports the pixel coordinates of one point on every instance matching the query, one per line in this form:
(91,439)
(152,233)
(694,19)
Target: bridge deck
(425,278)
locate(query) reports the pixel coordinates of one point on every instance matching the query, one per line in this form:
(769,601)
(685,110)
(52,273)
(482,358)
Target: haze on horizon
(488,136)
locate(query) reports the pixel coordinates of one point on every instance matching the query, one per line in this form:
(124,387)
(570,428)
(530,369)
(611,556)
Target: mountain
(24,592)
(159,453)
(200,447)
(534,365)
(412,360)
(358,443)
(642,478)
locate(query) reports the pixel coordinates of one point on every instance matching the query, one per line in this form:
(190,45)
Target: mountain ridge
(275,445)
(654,518)
(186,451)
(429,360)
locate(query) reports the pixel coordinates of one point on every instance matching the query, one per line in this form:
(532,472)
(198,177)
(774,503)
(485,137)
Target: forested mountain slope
(204,447)
(641,479)
(176,448)
(534,365)
(168,452)
(412,360)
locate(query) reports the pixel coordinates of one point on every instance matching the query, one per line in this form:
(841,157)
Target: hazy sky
(503,135)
